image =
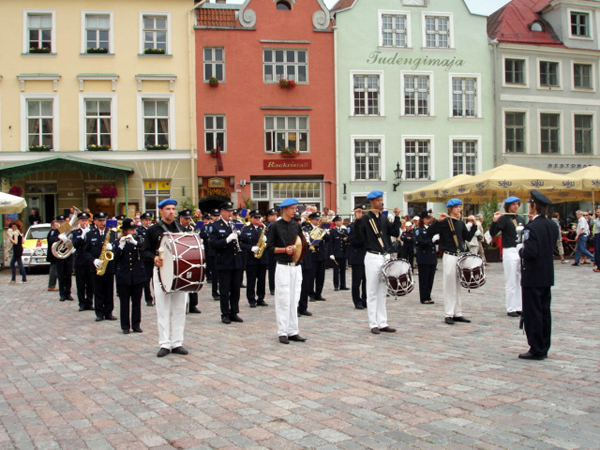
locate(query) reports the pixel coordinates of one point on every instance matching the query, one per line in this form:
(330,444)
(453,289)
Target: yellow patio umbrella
(435,192)
(589,178)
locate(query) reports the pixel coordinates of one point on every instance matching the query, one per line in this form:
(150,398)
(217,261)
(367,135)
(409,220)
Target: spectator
(16,238)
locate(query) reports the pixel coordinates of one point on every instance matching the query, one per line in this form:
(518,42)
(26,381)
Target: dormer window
(284,5)
(537,26)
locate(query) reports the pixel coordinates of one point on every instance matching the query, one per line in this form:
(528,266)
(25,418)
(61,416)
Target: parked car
(35,246)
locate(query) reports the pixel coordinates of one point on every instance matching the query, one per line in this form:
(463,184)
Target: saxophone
(105,255)
(261,244)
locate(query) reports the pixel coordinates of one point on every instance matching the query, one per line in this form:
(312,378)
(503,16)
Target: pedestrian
(582,233)
(426,258)
(16,239)
(559,244)
(596,233)
(356,259)
(537,276)
(407,250)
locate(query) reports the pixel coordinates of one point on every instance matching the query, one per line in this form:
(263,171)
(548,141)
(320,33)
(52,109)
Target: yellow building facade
(97,104)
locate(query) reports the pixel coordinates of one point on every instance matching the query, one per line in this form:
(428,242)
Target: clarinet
(238,249)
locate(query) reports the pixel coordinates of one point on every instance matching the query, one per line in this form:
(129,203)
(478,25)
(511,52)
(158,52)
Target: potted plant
(212,152)
(157,147)
(97,50)
(492,253)
(39,49)
(39,148)
(97,148)
(288,84)
(213,82)
(289,152)
(108,191)
(16,191)
(154,51)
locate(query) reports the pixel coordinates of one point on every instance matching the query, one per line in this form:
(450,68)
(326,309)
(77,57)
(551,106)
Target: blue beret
(288,202)
(166,202)
(453,202)
(374,194)
(512,200)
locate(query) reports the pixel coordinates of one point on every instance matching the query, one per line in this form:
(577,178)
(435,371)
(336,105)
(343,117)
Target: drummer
(170,307)
(453,235)
(375,230)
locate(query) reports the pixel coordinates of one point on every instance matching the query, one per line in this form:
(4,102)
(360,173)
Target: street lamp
(397,176)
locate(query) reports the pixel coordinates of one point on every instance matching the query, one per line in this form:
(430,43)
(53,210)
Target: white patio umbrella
(10,204)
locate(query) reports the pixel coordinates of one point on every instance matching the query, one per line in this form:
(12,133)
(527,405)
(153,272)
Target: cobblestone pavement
(67,382)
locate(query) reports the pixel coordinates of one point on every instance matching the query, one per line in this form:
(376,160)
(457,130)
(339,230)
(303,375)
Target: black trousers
(255,282)
(104,301)
(409,255)
(426,277)
(271,269)
(537,318)
(318,276)
(230,282)
(359,285)
(212,261)
(149,268)
(64,269)
(339,273)
(131,294)
(85,287)
(193,301)
(304,290)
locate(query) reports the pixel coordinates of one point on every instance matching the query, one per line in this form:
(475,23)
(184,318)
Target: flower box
(39,148)
(157,147)
(98,148)
(39,50)
(97,50)
(154,51)
(287,84)
(108,191)
(16,190)
(289,152)
(213,82)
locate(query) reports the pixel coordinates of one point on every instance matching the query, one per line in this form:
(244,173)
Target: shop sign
(287,164)
(216,183)
(222,192)
(567,166)
(151,187)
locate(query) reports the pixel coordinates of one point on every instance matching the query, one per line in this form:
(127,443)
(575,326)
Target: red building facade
(265,103)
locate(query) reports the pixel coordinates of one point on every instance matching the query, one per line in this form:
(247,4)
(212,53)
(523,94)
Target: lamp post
(397,176)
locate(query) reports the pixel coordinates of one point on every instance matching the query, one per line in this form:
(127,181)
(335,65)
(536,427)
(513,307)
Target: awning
(61,164)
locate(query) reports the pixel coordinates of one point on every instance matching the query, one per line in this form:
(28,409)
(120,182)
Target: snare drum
(184,265)
(398,277)
(471,271)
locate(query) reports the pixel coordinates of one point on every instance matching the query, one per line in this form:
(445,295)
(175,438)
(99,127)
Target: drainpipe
(497,146)
(126,194)
(337,109)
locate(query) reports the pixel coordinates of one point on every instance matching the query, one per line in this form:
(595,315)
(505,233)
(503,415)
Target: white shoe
(564,261)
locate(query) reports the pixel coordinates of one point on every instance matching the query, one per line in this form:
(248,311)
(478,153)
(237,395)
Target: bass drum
(184,266)
(398,277)
(471,271)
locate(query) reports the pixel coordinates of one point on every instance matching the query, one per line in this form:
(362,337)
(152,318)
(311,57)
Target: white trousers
(288,282)
(376,290)
(170,315)
(512,279)
(452,287)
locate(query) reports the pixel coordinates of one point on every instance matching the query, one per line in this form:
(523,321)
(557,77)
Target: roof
(63,163)
(217,17)
(343,4)
(512,23)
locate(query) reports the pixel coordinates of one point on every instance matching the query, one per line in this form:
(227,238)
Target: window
(464,157)
(437,32)
(582,76)
(366,95)
(464,97)
(514,123)
(580,24)
(98,124)
(394,30)
(267,194)
(154,192)
(155,33)
(550,133)
(537,26)
(367,159)
(416,95)
(39,31)
(97,33)
(583,134)
(549,74)
(286,131)
(287,64)
(214,63)
(156,124)
(214,133)
(514,71)
(40,125)
(417,153)
(283,5)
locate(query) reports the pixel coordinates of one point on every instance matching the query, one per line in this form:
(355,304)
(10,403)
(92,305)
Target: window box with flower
(97,50)
(39,148)
(154,51)
(213,82)
(108,191)
(39,50)
(287,84)
(157,147)
(16,191)
(98,148)
(287,152)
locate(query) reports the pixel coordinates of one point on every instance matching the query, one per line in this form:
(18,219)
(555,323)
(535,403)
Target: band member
(376,231)
(52,274)
(510,225)
(253,236)
(204,236)
(64,267)
(141,234)
(95,241)
(271,218)
(83,271)
(408,244)
(288,275)
(537,276)
(306,267)
(356,259)
(131,277)
(185,220)
(453,235)
(225,240)
(211,254)
(426,258)
(170,307)
(318,256)
(338,253)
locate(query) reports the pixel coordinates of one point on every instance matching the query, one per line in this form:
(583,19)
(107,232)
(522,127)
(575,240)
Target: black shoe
(195,310)
(138,330)
(89,308)
(297,338)
(149,304)
(359,307)
(284,339)
(70,298)
(179,351)
(99,319)
(336,289)
(449,321)
(304,313)
(125,331)
(111,317)
(253,305)
(242,285)
(163,352)
(82,308)
(62,299)
(272,292)
(236,318)
(216,298)
(427,302)
(262,303)
(319,298)
(574,264)
(226,320)
(512,314)
(529,355)
(344,289)
(461,319)
(520,313)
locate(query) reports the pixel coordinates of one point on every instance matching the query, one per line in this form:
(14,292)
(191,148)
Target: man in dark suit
(318,257)
(64,267)
(211,254)
(141,236)
(83,271)
(537,276)
(356,259)
(426,258)
(338,253)
(256,268)
(271,218)
(224,239)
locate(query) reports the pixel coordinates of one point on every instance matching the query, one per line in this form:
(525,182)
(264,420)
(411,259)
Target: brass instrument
(60,249)
(105,255)
(317,233)
(261,244)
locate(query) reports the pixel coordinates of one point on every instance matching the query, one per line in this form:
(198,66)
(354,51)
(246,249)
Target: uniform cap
(539,198)
(408,224)
(185,213)
(315,215)
(120,217)
(271,212)
(336,218)
(226,206)
(60,217)
(83,215)
(214,212)
(255,213)
(100,215)
(146,215)
(423,215)
(128,224)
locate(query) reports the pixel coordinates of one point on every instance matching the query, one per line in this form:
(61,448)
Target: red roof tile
(512,23)
(342,4)
(208,17)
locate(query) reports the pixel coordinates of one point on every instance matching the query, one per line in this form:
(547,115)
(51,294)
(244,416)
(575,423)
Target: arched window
(284,5)
(537,26)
